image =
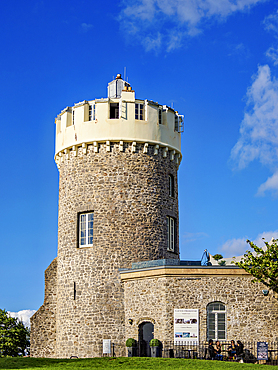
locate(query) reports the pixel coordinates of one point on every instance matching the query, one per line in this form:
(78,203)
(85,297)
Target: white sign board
(186,325)
(106,345)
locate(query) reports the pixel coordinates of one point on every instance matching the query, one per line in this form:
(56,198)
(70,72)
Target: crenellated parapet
(80,150)
(121,119)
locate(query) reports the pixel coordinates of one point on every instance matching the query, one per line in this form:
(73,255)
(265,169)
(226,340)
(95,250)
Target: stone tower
(118,203)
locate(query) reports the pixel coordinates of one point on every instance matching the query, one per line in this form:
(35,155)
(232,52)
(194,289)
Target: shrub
(130,342)
(155,343)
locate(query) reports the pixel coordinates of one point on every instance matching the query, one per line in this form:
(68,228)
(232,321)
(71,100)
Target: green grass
(121,363)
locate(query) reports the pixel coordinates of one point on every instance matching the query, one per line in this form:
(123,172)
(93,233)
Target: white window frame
(140,115)
(179,123)
(171,240)
(92,112)
(215,313)
(85,230)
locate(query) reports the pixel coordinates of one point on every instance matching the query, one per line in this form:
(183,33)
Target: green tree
(263,264)
(217,257)
(14,337)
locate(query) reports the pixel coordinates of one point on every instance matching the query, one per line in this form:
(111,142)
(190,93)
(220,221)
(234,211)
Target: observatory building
(117,273)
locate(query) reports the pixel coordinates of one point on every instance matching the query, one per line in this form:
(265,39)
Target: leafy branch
(263,264)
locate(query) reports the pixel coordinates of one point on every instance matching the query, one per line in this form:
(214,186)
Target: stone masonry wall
(43,322)
(250,316)
(129,195)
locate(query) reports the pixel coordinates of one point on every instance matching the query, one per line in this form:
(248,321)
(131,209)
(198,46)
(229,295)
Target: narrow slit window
(171,186)
(92,112)
(160,116)
(171,226)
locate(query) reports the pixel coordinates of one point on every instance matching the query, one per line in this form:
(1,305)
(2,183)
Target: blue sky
(215,60)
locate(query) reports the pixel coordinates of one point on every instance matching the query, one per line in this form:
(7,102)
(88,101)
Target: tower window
(160,116)
(92,112)
(171,233)
(114,110)
(86,223)
(179,123)
(216,321)
(73,116)
(74,291)
(139,111)
(171,186)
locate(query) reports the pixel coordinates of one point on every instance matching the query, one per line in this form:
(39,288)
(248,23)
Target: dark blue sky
(215,61)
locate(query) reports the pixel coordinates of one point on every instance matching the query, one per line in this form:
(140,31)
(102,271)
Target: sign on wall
(262,350)
(186,325)
(106,345)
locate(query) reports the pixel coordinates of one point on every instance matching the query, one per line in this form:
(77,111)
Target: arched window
(216,321)
(171,185)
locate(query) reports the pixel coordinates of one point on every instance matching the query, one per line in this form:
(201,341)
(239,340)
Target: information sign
(262,350)
(186,325)
(106,345)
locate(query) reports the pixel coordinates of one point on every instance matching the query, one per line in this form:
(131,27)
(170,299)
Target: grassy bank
(121,363)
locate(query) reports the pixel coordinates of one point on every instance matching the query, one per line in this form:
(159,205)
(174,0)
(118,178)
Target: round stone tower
(118,204)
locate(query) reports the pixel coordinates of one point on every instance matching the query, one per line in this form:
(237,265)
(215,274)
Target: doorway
(145,335)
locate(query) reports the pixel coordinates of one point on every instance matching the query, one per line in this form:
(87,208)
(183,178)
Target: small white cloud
(191,237)
(86,27)
(271,184)
(237,247)
(152,43)
(177,18)
(272,53)
(271,23)
(174,40)
(234,247)
(23,315)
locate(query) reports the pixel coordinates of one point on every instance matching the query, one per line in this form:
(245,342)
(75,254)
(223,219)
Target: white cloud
(234,247)
(271,23)
(237,247)
(271,184)
(191,237)
(23,315)
(272,53)
(175,19)
(86,27)
(259,129)
(152,43)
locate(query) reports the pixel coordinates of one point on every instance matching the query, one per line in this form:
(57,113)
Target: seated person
(217,349)
(211,350)
(239,348)
(232,349)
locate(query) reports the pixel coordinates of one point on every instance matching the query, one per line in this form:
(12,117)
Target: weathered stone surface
(43,322)
(128,193)
(251,316)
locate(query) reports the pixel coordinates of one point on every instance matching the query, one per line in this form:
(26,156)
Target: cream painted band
(78,124)
(181,272)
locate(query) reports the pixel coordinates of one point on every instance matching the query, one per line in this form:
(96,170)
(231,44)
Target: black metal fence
(200,350)
(197,350)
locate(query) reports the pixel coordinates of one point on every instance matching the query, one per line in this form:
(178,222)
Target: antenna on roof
(124,73)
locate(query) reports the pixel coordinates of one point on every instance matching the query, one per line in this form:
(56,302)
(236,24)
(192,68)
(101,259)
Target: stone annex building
(117,273)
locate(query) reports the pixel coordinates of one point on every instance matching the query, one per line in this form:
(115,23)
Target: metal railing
(196,350)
